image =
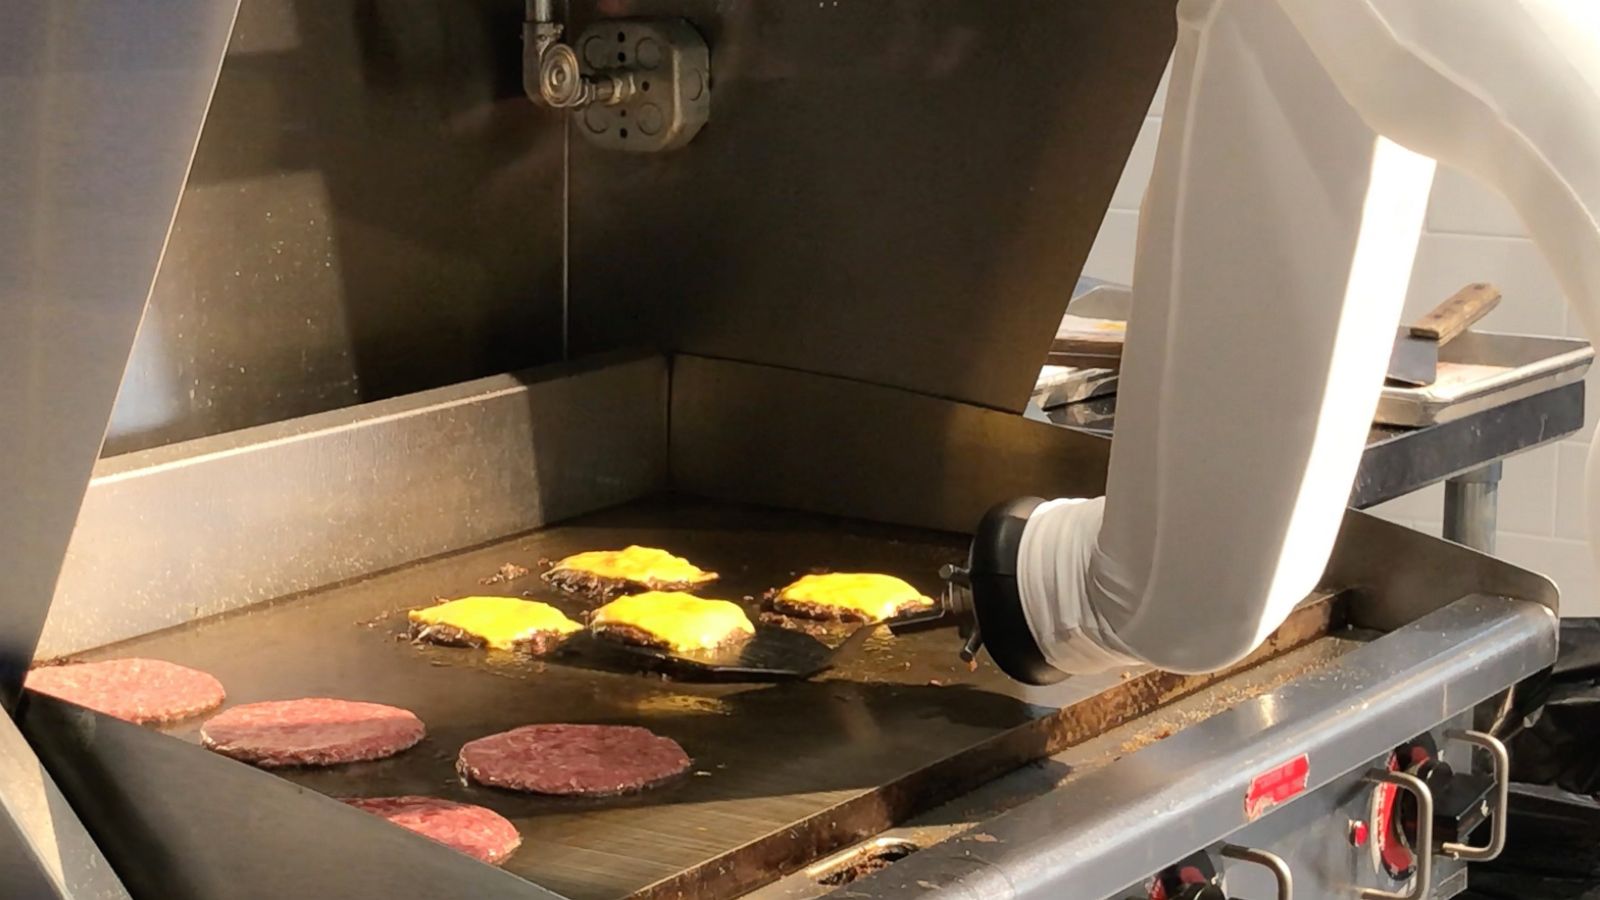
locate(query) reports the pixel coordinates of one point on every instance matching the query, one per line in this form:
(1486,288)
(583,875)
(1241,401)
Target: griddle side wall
(190,530)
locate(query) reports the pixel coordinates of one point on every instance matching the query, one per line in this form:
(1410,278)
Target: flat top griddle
(782,772)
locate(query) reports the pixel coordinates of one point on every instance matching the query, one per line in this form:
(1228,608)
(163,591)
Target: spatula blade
(1414,361)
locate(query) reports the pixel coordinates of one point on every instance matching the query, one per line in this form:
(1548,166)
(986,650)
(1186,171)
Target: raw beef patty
(590,760)
(474,830)
(143,691)
(315,731)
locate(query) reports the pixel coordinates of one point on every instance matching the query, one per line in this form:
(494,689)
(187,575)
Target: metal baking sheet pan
(1480,370)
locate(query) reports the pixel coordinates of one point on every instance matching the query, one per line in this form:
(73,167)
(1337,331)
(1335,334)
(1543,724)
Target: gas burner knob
(1194,877)
(1461,802)
(1198,876)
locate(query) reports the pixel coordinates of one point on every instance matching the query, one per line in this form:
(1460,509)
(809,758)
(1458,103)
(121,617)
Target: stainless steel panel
(901,191)
(1119,823)
(797,440)
(101,103)
(1313,835)
(969,812)
(192,529)
(45,852)
(375,209)
(1401,460)
(1396,575)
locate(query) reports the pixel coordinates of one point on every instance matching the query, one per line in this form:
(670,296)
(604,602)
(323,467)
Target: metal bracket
(1502,799)
(637,85)
(1422,879)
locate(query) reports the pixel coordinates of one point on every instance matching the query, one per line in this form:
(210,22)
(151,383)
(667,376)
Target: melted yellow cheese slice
(500,622)
(640,565)
(872,597)
(681,621)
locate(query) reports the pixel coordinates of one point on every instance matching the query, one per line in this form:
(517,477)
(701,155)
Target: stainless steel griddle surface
(782,772)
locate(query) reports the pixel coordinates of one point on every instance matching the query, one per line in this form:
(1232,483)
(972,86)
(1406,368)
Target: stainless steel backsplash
(897,191)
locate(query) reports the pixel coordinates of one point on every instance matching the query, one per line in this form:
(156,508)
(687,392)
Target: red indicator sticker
(1276,785)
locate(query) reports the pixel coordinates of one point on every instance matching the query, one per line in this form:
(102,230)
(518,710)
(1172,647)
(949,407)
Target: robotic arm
(1274,251)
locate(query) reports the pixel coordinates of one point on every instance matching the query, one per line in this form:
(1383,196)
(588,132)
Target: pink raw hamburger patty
(143,691)
(316,731)
(591,760)
(474,830)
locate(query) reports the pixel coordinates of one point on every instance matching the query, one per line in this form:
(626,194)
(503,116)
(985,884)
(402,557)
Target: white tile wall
(1571,517)
(1472,234)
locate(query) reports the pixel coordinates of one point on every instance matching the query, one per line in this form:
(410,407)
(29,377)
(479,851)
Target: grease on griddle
(873,859)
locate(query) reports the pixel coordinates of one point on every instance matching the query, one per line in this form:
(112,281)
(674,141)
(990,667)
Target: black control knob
(1460,799)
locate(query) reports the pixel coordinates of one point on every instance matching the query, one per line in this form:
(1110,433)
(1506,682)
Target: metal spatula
(771,654)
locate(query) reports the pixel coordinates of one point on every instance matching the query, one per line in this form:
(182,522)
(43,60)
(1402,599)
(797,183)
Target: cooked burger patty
(316,731)
(142,691)
(588,760)
(500,623)
(849,596)
(474,830)
(672,620)
(536,644)
(603,574)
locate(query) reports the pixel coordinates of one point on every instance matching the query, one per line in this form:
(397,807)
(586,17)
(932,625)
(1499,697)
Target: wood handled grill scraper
(1415,360)
(1097,343)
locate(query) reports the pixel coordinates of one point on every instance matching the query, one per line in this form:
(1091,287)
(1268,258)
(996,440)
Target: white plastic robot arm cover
(1274,252)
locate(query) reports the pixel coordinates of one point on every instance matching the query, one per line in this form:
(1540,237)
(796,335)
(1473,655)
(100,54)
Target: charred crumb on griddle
(587,585)
(541,643)
(378,619)
(814,627)
(875,861)
(448,635)
(507,572)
